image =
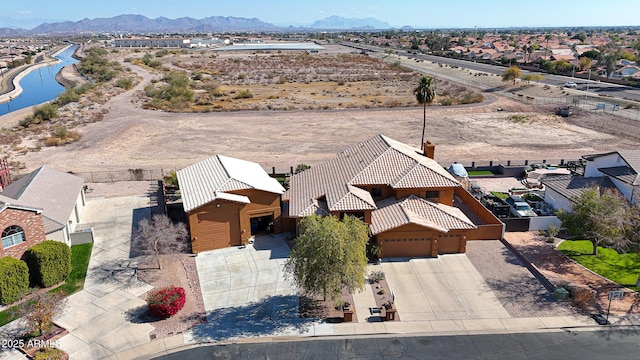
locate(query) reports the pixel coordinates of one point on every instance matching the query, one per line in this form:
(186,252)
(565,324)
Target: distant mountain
(12,23)
(142,24)
(338,22)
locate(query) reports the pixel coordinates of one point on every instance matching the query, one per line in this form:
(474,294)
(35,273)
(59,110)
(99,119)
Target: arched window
(13,235)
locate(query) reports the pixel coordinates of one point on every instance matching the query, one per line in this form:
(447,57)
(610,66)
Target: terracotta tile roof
(377,161)
(392,213)
(211,179)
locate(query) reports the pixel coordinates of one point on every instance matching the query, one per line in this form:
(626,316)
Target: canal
(40,84)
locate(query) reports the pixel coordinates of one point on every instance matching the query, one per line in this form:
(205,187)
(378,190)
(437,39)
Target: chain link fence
(120,175)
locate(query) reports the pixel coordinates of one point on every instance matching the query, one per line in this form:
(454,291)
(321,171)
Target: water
(40,85)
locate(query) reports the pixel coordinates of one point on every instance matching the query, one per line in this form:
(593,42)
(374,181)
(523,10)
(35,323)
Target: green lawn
(80,255)
(500,195)
(621,268)
(480,173)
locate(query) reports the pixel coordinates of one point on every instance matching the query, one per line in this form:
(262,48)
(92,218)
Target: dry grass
(301,81)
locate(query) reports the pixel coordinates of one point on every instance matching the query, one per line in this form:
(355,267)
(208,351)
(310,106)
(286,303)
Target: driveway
(245,292)
(443,288)
(98,317)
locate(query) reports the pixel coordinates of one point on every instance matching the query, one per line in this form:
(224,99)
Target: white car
(570,84)
(519,207)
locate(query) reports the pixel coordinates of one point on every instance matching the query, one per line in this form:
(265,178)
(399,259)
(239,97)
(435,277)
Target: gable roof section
(631,157)
(54,191)
(571,186)
(377,161)
(213,178)
(394,213)
(622,173)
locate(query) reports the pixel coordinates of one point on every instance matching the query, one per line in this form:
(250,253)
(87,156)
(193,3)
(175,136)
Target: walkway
(98,317)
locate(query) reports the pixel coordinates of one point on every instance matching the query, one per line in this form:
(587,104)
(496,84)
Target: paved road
(614,344)
(595,87)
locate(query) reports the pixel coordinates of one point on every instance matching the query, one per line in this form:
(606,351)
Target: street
(612,344)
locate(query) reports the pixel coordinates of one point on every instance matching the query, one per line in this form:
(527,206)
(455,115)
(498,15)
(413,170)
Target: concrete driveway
(443,288)
(246,294)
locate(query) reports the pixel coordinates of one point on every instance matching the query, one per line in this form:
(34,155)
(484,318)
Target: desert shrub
(96,65)
(161,53)
(49,263)
(472,98)
(447,101)
(66,97)
(376,276)
(583,299)
(49,353)
(45,112)
(14,279)
(61,136)
(166,302)
(125,83)
(244,94)
(197,75)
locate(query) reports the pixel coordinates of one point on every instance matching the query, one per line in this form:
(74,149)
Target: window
(432,195)
(376,192)
(13,235)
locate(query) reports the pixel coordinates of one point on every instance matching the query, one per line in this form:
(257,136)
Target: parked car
(570,84)
(519,207)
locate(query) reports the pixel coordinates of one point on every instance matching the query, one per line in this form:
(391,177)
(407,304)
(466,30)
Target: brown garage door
(406,247)
(449,244)
(214,234)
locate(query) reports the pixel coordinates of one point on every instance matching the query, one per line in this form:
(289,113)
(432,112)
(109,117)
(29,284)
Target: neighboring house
(413,206)
(21,227)
(228,201)
(59,197)
(614,170)
(560,190)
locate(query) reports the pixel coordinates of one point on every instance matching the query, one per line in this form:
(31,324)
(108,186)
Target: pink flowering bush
(165,302)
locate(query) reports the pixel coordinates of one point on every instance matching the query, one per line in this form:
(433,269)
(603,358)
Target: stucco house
(43,205)
(228,201)
(613,170)
(414,207)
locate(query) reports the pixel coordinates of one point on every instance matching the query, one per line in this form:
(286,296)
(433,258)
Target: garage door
(214,234)
(406,247)
(449,244)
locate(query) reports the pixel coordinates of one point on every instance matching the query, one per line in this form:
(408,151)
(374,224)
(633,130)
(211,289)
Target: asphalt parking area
(443,288)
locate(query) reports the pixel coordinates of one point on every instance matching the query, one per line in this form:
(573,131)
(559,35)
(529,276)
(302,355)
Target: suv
(519,207)
(570,84)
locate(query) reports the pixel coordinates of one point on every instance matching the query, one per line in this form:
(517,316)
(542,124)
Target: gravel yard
(518,291)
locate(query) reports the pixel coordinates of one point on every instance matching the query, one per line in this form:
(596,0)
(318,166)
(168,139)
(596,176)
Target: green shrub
(49,263)
(45,112)
(125,83)
(14,279)
(49,353)
(244,94)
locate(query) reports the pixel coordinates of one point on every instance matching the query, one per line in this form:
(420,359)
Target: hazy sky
(417,13)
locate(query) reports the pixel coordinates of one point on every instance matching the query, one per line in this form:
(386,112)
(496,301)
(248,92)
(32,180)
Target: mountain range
(142,24)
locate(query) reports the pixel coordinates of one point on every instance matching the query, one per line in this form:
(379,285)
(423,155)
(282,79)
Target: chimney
(429,149)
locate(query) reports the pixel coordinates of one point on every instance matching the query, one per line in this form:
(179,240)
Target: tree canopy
(605,218)
(425,93)
(160,236)
(511,74)
(329,256)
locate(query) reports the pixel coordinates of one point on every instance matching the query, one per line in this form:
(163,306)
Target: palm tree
(425,93)
(547,37)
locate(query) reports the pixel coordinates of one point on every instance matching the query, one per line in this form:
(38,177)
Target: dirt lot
(132,137)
